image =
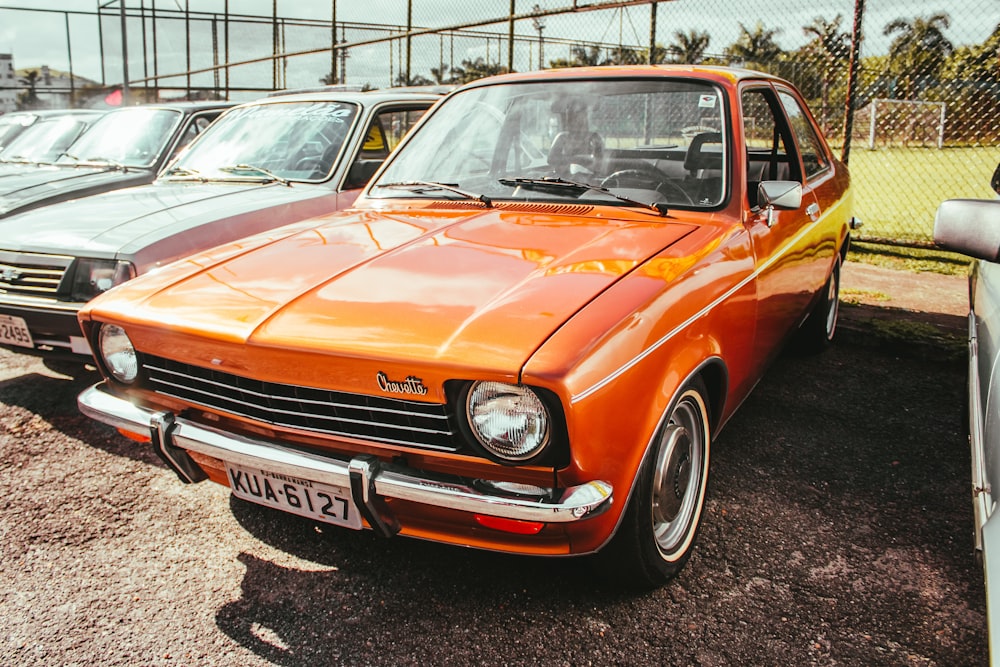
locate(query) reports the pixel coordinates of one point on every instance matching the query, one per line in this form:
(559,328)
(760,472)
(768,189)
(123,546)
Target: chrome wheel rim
(833,302)
(678,477)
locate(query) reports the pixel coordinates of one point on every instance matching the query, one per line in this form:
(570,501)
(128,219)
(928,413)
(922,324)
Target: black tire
(657,533)
(818,330)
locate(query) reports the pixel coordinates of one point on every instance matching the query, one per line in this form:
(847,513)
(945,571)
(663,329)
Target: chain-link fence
(907,92)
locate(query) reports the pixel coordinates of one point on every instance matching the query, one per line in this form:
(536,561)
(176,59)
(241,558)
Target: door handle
(813,211)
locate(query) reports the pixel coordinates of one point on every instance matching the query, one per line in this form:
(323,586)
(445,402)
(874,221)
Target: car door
(787,268)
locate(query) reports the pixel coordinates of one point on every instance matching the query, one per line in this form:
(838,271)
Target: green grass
(897,190)
(905,258)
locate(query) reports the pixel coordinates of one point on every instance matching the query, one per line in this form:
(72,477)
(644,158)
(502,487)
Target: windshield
(134,137)
(44,141)
(279,141)
(12,125)
(646,141)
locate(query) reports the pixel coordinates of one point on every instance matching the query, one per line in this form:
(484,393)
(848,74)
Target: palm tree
(439,74)
(919,50)
(832,46)
(470,70)
(29,98)
(755,47)
(689,47)
(580,56)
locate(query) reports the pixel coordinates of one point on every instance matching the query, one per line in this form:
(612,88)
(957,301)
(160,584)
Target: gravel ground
(837,532)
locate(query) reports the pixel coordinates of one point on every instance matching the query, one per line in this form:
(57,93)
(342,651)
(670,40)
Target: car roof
(335,94)
(52,113)
(189,107)
(720,74)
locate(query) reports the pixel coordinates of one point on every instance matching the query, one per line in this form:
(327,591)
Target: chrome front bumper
(369,479)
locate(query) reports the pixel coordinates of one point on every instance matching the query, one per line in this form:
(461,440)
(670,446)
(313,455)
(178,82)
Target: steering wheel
(648,178)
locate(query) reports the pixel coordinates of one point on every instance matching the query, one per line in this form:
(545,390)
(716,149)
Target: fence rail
(910,98)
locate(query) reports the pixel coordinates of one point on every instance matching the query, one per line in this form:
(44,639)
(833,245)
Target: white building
(8,83)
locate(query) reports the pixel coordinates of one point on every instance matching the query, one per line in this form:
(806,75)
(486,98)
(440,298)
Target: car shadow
(365,589)
(916,333)
(52,398)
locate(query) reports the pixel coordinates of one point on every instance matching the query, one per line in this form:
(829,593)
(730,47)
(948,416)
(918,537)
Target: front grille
(31,274)
(387,420)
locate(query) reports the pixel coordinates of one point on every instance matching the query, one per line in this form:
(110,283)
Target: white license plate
(14,331)
(323,502)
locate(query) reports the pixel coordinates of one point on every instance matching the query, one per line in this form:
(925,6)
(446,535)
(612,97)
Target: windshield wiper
(19,159)
(184,172)
(259,170)
(556,184)
(106,161)
(418,186)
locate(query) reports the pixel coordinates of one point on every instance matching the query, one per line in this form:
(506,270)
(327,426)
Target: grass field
(897,190)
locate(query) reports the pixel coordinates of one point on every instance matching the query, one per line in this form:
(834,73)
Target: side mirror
(773,195)
(969,226)
(995,181)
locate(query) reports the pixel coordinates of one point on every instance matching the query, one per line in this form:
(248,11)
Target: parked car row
(262,165)
(521,331)
(121,148)
(44,139)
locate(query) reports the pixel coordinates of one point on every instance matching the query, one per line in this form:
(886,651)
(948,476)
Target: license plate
(323,502)
(14,331)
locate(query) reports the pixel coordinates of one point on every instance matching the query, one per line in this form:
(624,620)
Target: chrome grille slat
(382,419)
(25,278)
(278,411)
(307,400)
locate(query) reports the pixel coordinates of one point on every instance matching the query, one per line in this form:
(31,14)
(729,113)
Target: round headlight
(117,353)
(509,421)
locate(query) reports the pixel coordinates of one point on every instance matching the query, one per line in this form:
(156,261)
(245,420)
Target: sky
(37,38)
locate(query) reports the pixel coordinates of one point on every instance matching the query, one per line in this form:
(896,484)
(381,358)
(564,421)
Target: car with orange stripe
(524,335)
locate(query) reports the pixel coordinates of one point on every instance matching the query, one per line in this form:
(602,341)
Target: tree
(470,70)
(28,99)
(439,74)
(415,80)
(689,47)
(580,56)
(918,51)
(755,48)
(832,48)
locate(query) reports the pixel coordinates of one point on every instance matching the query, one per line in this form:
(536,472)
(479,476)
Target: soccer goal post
(906,123)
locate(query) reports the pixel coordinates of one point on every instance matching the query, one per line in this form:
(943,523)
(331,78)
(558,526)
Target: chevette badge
(412,385)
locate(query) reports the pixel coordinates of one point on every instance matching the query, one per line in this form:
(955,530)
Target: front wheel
(658,530)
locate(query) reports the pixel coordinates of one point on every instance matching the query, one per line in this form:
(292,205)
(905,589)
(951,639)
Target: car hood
(122,222)
(435,287)
(27,188)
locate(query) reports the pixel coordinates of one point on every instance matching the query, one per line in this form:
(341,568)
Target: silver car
(972,227)
(122,148)
(261,165)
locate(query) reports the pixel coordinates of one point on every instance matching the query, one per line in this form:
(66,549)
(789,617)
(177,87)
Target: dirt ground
(837,532)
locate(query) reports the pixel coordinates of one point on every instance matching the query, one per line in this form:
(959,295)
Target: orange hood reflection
(484,287)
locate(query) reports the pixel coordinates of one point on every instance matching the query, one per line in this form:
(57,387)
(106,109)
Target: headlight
(117,353)
(509,421)
(94,276)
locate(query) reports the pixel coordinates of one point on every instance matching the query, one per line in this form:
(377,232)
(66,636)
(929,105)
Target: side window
(397,123)
(769,147)
(194,128)
(814,158)
(387,129)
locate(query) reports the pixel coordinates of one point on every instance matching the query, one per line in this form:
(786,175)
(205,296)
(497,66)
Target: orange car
(525,334)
